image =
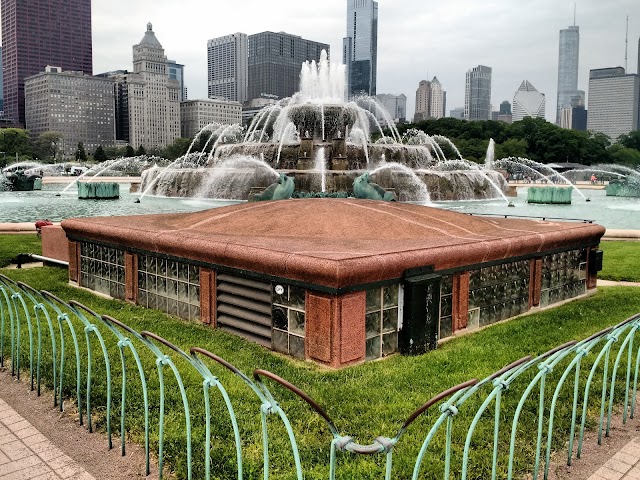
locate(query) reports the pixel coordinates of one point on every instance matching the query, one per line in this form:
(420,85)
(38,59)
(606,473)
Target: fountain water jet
(317,132)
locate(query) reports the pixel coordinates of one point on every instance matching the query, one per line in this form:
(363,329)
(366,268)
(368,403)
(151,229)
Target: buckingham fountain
(324,143)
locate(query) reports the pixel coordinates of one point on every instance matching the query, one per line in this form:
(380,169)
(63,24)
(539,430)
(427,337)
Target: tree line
(533,138)
(17,145)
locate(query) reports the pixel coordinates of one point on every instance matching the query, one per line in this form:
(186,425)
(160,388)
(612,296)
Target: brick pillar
(131,277)
(592,275)
(208,296)
(335,328)
(535,281)
(460,301)
(74,262)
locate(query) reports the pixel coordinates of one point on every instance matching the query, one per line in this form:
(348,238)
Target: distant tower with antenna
(568,57)
(626,46)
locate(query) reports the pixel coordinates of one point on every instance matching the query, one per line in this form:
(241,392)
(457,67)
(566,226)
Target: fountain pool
(37,205)
(610,212)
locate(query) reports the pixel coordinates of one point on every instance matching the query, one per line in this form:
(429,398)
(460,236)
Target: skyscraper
(504,114)
(528,102)
(79,106)
(275,60)
(567,67)
(360,47)
(477,94)
(227,67)
(157,123)
(147,100)
(38,33)
(423,101)
(176,72)
(395,105)
(1,93)
(614,102)
(438,99)
(430,100)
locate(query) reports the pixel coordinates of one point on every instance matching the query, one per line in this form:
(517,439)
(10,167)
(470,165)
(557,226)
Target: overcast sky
(417,39)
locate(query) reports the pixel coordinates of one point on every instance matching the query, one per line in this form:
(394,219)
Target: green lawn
(365,401)
(12,245)
(621,261)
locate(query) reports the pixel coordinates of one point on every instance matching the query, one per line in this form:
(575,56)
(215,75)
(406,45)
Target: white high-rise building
(431,100)
(151,100)
(614,102)
(477,94)
(567,67)
(438,99)
(528,102)
(228,67)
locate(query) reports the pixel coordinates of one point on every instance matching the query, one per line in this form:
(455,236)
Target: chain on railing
(533,388)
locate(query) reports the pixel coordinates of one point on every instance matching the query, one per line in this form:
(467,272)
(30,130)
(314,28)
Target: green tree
(512,147)
(48,146)
(100,155)
(129,152)
(114,152)
(178,148)
(141,151)
(625,156)
(81,155)
(14,141)
(630,140)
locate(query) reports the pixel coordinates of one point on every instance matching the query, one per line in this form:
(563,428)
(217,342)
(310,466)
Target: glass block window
(170,286)
(289,320)
(382,314)
(446,307)
(498,292)
(102,269)
(564,275)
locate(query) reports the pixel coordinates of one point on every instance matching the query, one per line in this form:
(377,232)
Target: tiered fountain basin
(324,147)
(336,281)
(237,183)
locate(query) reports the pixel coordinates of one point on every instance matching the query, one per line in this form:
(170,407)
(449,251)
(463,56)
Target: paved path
(613,283)
(27,454)
(624,465)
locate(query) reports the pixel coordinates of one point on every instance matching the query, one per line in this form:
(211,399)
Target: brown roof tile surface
(334,242)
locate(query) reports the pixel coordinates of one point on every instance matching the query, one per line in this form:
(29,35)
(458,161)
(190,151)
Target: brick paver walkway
(27,454)
(624,465)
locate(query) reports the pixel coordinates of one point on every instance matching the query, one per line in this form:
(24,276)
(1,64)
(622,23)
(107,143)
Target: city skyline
(414,42)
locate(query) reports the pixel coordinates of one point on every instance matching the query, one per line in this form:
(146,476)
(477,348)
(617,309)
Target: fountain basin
(623,188)
(98,190)
(237,183)
(19,181)
(550,195)
(335,281)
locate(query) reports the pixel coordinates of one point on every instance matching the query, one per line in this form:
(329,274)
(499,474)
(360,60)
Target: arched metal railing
(548,397)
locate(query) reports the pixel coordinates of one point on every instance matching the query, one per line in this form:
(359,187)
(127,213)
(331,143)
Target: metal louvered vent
(244,308)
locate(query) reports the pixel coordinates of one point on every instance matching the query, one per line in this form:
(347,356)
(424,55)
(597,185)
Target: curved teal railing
(43,334)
